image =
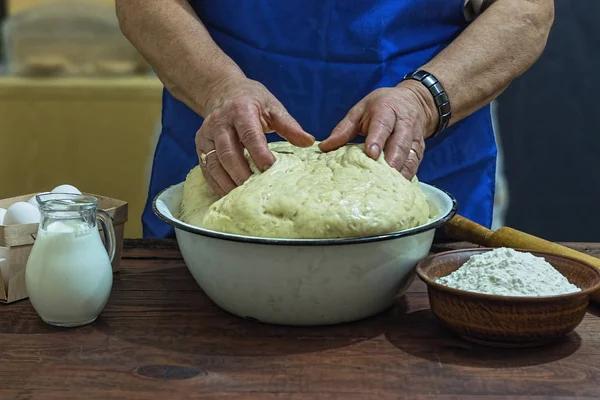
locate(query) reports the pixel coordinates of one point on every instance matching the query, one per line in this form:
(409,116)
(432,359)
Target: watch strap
(440,97)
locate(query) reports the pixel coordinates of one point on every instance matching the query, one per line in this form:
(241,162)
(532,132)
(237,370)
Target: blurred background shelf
(20,5)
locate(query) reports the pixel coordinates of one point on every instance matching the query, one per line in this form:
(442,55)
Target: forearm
(177,45)
(500,45)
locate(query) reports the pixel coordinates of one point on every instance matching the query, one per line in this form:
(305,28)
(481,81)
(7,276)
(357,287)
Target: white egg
(22,213)
(33,200)
(2,213)
(66,189)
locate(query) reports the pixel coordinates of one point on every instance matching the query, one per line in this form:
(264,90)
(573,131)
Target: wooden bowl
(508,321)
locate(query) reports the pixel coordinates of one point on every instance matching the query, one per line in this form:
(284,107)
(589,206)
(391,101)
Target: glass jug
(69,273)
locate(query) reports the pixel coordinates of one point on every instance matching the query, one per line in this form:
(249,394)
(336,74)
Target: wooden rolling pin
(463,229)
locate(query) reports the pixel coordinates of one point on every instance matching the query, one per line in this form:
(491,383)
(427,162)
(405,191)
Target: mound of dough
(308,194)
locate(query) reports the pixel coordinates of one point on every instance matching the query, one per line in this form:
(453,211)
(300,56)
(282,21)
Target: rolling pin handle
(464,230)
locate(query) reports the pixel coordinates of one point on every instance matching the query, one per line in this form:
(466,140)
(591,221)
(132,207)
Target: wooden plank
(167,248)
(151,248)
(168,394)
(160,337)
(390,353)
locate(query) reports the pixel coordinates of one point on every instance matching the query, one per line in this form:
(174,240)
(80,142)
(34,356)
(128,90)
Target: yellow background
(96,134)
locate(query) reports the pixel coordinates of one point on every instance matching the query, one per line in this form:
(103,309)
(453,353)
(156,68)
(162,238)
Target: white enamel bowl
(303,281)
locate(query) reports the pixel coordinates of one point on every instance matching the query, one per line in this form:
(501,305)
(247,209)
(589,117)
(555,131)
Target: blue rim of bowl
(431,283)
(309,242)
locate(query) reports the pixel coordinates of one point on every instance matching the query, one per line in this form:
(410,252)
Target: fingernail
(266,167)
(374,149)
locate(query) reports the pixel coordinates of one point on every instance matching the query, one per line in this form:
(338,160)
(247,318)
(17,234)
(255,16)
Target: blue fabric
(319,58)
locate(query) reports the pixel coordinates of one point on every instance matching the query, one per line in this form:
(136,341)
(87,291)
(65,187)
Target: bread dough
(308,194)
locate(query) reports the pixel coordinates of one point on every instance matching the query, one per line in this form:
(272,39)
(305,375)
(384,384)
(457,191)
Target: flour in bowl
(508,272)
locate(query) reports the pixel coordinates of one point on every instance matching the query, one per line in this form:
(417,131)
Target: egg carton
(16,242)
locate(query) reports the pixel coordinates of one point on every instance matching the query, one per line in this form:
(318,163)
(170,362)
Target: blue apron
(319,58)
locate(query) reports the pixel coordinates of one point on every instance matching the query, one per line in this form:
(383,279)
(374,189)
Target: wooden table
(160,337)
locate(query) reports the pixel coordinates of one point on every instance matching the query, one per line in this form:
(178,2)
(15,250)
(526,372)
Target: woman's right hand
(240,113)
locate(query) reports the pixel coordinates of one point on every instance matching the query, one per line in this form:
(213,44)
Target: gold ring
(204,156)
(416,153)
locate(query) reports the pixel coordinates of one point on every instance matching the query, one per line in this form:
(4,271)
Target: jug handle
(108,231)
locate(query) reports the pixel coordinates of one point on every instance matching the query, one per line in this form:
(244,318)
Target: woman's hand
(396,120)
(240,113)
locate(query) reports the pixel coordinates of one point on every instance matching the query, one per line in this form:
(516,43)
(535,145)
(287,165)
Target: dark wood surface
(160,337)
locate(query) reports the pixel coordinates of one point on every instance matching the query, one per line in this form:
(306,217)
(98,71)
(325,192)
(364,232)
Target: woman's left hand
(396,120)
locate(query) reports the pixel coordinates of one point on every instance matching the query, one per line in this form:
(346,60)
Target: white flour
(508,272)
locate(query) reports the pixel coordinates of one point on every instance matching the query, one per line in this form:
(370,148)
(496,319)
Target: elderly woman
(412,78)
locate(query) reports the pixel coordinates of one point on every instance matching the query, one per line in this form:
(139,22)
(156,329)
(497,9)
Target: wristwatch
(440,97)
